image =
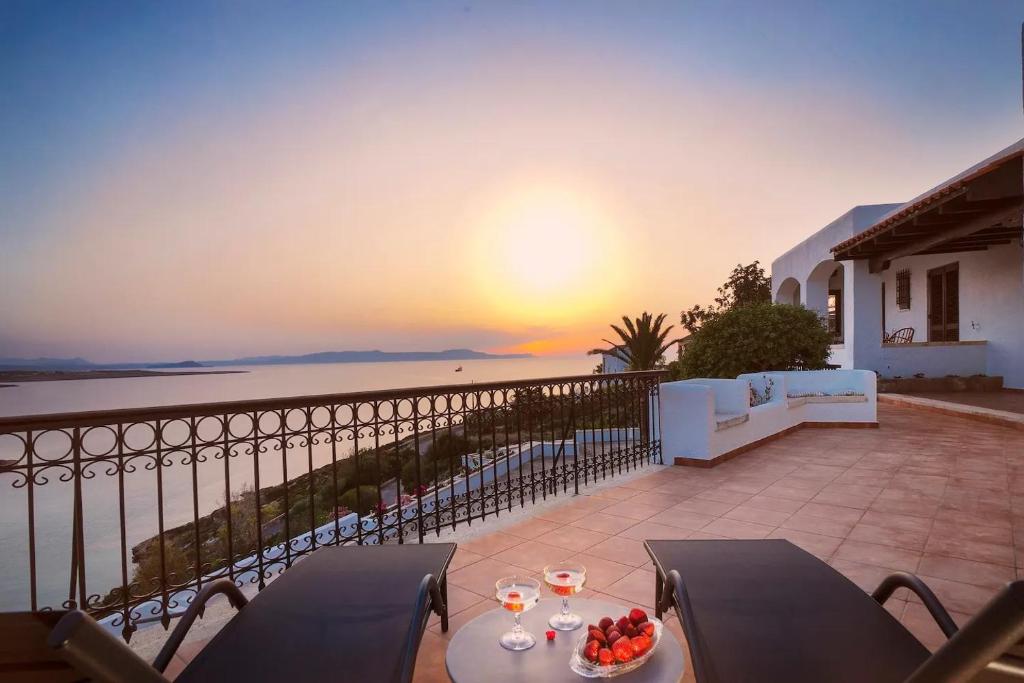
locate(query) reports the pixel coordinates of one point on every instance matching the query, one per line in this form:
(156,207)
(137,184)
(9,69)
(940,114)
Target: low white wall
(688,408)
(934,360)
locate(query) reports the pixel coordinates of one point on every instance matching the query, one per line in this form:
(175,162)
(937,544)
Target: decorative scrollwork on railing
(149,505)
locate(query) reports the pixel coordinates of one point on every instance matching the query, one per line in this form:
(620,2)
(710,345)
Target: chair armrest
(197,609)
(429,590)
(935,608)
(674,594)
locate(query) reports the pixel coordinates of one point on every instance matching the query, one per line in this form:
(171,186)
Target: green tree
(642,344)
(756,338)
(747,285)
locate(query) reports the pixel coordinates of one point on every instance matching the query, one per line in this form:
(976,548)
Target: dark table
(474,655)
(769,611)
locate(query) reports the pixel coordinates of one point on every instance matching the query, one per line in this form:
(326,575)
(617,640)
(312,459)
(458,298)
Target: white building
(948,265)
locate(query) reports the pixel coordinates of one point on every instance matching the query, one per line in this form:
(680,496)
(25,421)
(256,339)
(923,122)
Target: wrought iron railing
(127,513)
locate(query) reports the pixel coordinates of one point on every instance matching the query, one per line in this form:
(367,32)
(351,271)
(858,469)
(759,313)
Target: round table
(475,655)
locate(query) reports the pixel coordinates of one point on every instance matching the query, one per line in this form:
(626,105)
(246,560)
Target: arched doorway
(788,292)
(825,295)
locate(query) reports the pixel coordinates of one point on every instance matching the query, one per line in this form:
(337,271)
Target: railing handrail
(90,418)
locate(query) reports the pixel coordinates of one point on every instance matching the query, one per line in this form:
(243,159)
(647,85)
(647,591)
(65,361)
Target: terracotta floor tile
(833,512)
(764,502)
(957,596)
(614,493)
(479,577)
(572,538)
(531,528)
(623,550)
(966,571)
(704,507)
(757,515)
(656,499)
(463,558)
(533,555)
(970,550)
(898,538)
(734,528)
(818,525)
(724,495)
(490,544)
(605,523)
(430,667)
(878,555)
(601,572)
(633,510)
(684,519)
(868,576)
(634,589)
(919,621)
(652,530)
(459,599)
(820,546)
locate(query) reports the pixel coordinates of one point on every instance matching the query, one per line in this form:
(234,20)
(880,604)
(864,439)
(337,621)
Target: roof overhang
(977,209)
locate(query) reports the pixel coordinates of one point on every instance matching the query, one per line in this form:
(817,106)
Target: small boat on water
(458,369)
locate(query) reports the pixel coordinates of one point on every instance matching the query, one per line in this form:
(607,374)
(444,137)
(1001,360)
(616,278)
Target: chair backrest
(904,335)
(59,647)
(988,649)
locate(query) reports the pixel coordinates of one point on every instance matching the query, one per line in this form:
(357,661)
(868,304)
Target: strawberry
(605,656)
(591,627)
(550,635)
(637,616)
(613,635)
(605,623)
(631,631)
(598,636)
(640,645)
(623,649)
(622,623)
(590,651)
(647,628)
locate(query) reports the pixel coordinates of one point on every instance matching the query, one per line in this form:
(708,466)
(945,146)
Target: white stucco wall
(991,309)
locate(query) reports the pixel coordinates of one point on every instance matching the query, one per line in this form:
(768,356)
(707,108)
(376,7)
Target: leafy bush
(756,338)
(368,499)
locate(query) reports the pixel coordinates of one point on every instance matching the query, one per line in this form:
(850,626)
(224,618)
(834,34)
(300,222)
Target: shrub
(368,499)
(756,338)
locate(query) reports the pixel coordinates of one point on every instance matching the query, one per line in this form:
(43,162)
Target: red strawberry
(591,627)
(605,656)
(623,649)
(622,623)
(550,635)
(613,635)
(604,623)
(637,616)
(598,636)
(640,645)
(590,651)
(647,628)
(631,631)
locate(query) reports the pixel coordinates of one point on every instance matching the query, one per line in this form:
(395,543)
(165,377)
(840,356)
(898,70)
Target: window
(835,315)
(903,289)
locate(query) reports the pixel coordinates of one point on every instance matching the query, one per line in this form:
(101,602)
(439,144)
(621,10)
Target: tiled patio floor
(937,495)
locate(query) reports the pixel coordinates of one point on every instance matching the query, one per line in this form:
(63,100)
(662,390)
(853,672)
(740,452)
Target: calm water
(102,529)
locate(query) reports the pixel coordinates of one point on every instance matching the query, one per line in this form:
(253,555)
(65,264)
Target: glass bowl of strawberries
(614,647)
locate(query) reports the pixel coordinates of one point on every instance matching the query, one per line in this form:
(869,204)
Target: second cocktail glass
(565,579)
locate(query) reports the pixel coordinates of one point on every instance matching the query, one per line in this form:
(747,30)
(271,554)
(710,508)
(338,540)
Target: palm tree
(642,344)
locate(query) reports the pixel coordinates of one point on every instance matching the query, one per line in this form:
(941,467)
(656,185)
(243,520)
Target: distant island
(54,369)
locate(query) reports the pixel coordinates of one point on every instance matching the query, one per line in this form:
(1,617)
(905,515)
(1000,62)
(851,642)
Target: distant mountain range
(321,357)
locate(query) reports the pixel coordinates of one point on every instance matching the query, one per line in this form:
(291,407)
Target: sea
(102,511)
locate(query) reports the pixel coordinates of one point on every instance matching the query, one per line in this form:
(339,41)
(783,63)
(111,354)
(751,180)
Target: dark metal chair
(904,335)
(769,611)
(343,613)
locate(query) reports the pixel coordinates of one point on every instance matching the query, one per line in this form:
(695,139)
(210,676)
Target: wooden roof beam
(1010,216)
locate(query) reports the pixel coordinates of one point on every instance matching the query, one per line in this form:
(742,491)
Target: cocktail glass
(517,594)
(565,579)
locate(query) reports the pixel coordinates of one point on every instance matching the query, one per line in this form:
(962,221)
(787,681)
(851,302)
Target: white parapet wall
(708,419)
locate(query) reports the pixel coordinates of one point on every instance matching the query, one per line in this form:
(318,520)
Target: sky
(220,179)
